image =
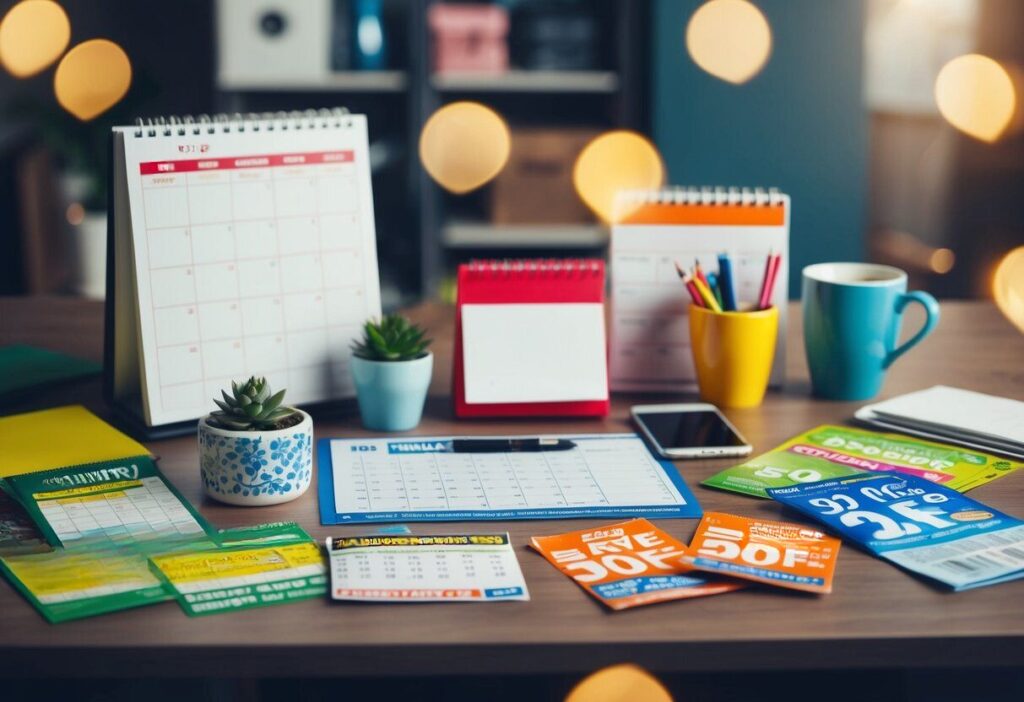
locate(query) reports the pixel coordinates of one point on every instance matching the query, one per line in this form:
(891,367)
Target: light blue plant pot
(391,393)
(256,468)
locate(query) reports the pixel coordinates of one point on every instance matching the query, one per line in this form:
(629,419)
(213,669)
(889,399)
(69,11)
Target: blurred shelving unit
(422,230)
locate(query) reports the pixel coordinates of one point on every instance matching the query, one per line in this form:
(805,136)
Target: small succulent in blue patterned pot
(264,463)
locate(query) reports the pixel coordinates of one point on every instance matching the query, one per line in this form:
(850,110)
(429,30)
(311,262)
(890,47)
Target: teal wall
(799,125)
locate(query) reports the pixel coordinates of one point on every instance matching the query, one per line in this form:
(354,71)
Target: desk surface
(877,617)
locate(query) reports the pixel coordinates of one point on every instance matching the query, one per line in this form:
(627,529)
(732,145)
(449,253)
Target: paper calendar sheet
(606,475)
(254,253)
(441,568)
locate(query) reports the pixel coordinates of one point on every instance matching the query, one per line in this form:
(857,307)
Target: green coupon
(832,451)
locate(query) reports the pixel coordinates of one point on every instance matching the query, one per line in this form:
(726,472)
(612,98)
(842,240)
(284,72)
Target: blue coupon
(923,527)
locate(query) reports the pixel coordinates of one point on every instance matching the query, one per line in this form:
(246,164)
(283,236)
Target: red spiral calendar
(530,339)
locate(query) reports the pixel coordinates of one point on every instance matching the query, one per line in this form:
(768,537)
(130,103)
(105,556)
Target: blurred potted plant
(81,151)
(255,450)
(391,368)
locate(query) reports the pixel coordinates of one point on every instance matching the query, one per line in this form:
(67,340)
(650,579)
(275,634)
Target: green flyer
(833,452)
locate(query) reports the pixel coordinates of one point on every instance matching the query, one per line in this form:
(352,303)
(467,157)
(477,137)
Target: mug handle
(931,311)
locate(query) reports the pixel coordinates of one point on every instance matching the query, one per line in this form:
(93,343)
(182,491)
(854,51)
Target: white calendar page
(650,326)
(415,479)
(254,253)
(442,568)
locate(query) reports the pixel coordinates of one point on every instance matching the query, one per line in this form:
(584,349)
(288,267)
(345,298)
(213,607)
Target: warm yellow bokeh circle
(92,77)
(614,162)
(464,145)
(33,34)
(976,95)
(619,683)
(1008,287)
(730,39)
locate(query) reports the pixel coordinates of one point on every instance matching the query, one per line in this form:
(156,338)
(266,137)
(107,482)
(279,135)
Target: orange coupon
(628,564)
(777,553)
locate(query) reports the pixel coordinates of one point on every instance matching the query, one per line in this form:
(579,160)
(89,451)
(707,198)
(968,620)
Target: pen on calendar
(726,283)
(690,287)
(507,445)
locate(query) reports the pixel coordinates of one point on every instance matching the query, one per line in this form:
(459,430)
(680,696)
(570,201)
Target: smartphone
(693,430)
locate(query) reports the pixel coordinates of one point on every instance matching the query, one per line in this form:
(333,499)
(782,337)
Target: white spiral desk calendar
(238,246)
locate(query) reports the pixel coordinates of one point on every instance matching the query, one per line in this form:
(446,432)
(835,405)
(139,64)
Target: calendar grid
(251,265)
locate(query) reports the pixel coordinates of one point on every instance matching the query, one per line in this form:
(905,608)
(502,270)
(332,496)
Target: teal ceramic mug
(852,315)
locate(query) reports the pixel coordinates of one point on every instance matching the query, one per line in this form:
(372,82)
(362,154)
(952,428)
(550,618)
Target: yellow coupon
(194,567)
(87,490)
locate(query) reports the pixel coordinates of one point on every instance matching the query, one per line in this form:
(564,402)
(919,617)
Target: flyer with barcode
(629,564)
(918,525)
(776,553)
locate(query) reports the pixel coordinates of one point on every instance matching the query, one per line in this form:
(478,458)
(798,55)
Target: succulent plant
(394,338)
(252,406)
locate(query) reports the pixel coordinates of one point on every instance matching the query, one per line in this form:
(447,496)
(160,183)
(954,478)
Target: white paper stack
(963,417)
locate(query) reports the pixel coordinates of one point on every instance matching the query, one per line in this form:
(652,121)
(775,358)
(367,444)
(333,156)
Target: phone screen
(681,430)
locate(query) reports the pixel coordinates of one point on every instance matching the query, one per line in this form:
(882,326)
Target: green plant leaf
(273,402)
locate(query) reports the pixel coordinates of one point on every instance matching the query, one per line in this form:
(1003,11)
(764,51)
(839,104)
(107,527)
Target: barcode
(967,560)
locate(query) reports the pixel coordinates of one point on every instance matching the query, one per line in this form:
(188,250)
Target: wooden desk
(878,616)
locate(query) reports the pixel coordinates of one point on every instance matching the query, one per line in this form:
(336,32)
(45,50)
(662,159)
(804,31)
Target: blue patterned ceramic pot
(256,468)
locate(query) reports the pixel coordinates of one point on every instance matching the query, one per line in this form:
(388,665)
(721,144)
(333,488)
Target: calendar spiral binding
(533,268)
(252,121)
(702,195)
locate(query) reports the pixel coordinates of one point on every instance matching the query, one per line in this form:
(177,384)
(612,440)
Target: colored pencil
(709,300)
(773,274)
(699,274)
(725,282)
(716,288)
(690,287)
(764,280)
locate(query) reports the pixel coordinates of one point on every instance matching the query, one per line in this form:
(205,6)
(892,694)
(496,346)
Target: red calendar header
(236,162)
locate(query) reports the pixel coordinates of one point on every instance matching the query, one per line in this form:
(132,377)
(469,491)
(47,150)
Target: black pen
(508,445)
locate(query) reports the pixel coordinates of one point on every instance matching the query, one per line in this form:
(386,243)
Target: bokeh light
(33,34)
(730,39)
(942,261)
(75,214)
(976,95)
(92,78)
(464,145)
(619,683)
(1008,287)
(613,162)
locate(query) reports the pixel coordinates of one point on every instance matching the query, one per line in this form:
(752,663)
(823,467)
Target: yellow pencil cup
(733,354)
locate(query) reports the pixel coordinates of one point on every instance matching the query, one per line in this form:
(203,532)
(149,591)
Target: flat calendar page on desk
(252,251)
(415,479)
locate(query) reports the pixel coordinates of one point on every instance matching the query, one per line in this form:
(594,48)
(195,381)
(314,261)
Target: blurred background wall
(842,117)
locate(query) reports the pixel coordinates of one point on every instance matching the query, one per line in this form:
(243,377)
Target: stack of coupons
(430,568)
(834,452)
(918,525)
(628,564)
